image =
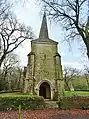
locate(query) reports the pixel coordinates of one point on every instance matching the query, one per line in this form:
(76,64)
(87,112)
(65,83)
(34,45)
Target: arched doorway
(45,90)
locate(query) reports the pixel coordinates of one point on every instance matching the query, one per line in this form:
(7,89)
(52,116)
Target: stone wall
(44,61)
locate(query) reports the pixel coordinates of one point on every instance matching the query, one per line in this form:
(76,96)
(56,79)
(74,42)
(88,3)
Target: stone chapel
(44,69)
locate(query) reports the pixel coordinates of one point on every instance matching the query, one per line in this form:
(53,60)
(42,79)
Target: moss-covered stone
(44,65)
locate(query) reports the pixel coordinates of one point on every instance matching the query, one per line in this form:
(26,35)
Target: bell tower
(44,69)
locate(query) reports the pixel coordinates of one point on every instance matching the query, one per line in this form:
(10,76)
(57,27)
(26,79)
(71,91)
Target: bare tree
(16,78)
(69,74)
(11,76)
(9,64)
(4,7)
(12,34)
(72,14)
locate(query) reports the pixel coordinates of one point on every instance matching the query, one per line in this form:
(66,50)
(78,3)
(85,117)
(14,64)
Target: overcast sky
(31,15)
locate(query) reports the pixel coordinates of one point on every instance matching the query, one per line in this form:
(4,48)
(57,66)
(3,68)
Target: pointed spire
(44,29)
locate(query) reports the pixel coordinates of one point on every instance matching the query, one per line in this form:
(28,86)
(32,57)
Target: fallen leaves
(46,114)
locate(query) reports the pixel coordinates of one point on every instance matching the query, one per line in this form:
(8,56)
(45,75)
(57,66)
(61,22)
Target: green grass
(66,94)
(16,95)
(76,93)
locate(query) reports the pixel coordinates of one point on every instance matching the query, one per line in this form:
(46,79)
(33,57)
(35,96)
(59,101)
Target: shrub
(12,102)
(75,102)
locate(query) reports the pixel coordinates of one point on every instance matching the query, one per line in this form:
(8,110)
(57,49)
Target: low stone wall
(75,102)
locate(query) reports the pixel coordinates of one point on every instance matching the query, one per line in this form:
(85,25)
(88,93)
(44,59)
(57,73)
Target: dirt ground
(46,114)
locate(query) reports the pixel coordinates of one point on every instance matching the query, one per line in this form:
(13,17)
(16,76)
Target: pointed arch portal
(45,90)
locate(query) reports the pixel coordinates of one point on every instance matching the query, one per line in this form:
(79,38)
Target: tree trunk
(1,60)
(85,36)
(67,85)
(87,46)
(87,80)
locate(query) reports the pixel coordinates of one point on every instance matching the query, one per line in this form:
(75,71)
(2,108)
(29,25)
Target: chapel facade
(44,69)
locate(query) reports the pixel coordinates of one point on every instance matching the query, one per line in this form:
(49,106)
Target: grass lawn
(66,93)
(76,93)
(16,95)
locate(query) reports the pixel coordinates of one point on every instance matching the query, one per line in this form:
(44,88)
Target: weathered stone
(44,69)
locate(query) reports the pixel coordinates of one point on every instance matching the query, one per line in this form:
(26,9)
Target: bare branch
(69,13)
(12,34)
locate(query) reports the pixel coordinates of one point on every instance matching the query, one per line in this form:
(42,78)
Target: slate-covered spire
(44,29)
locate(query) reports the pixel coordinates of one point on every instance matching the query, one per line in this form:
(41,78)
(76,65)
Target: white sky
(31,15)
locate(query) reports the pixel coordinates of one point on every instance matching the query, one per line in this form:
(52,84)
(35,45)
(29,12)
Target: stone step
(51,104)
